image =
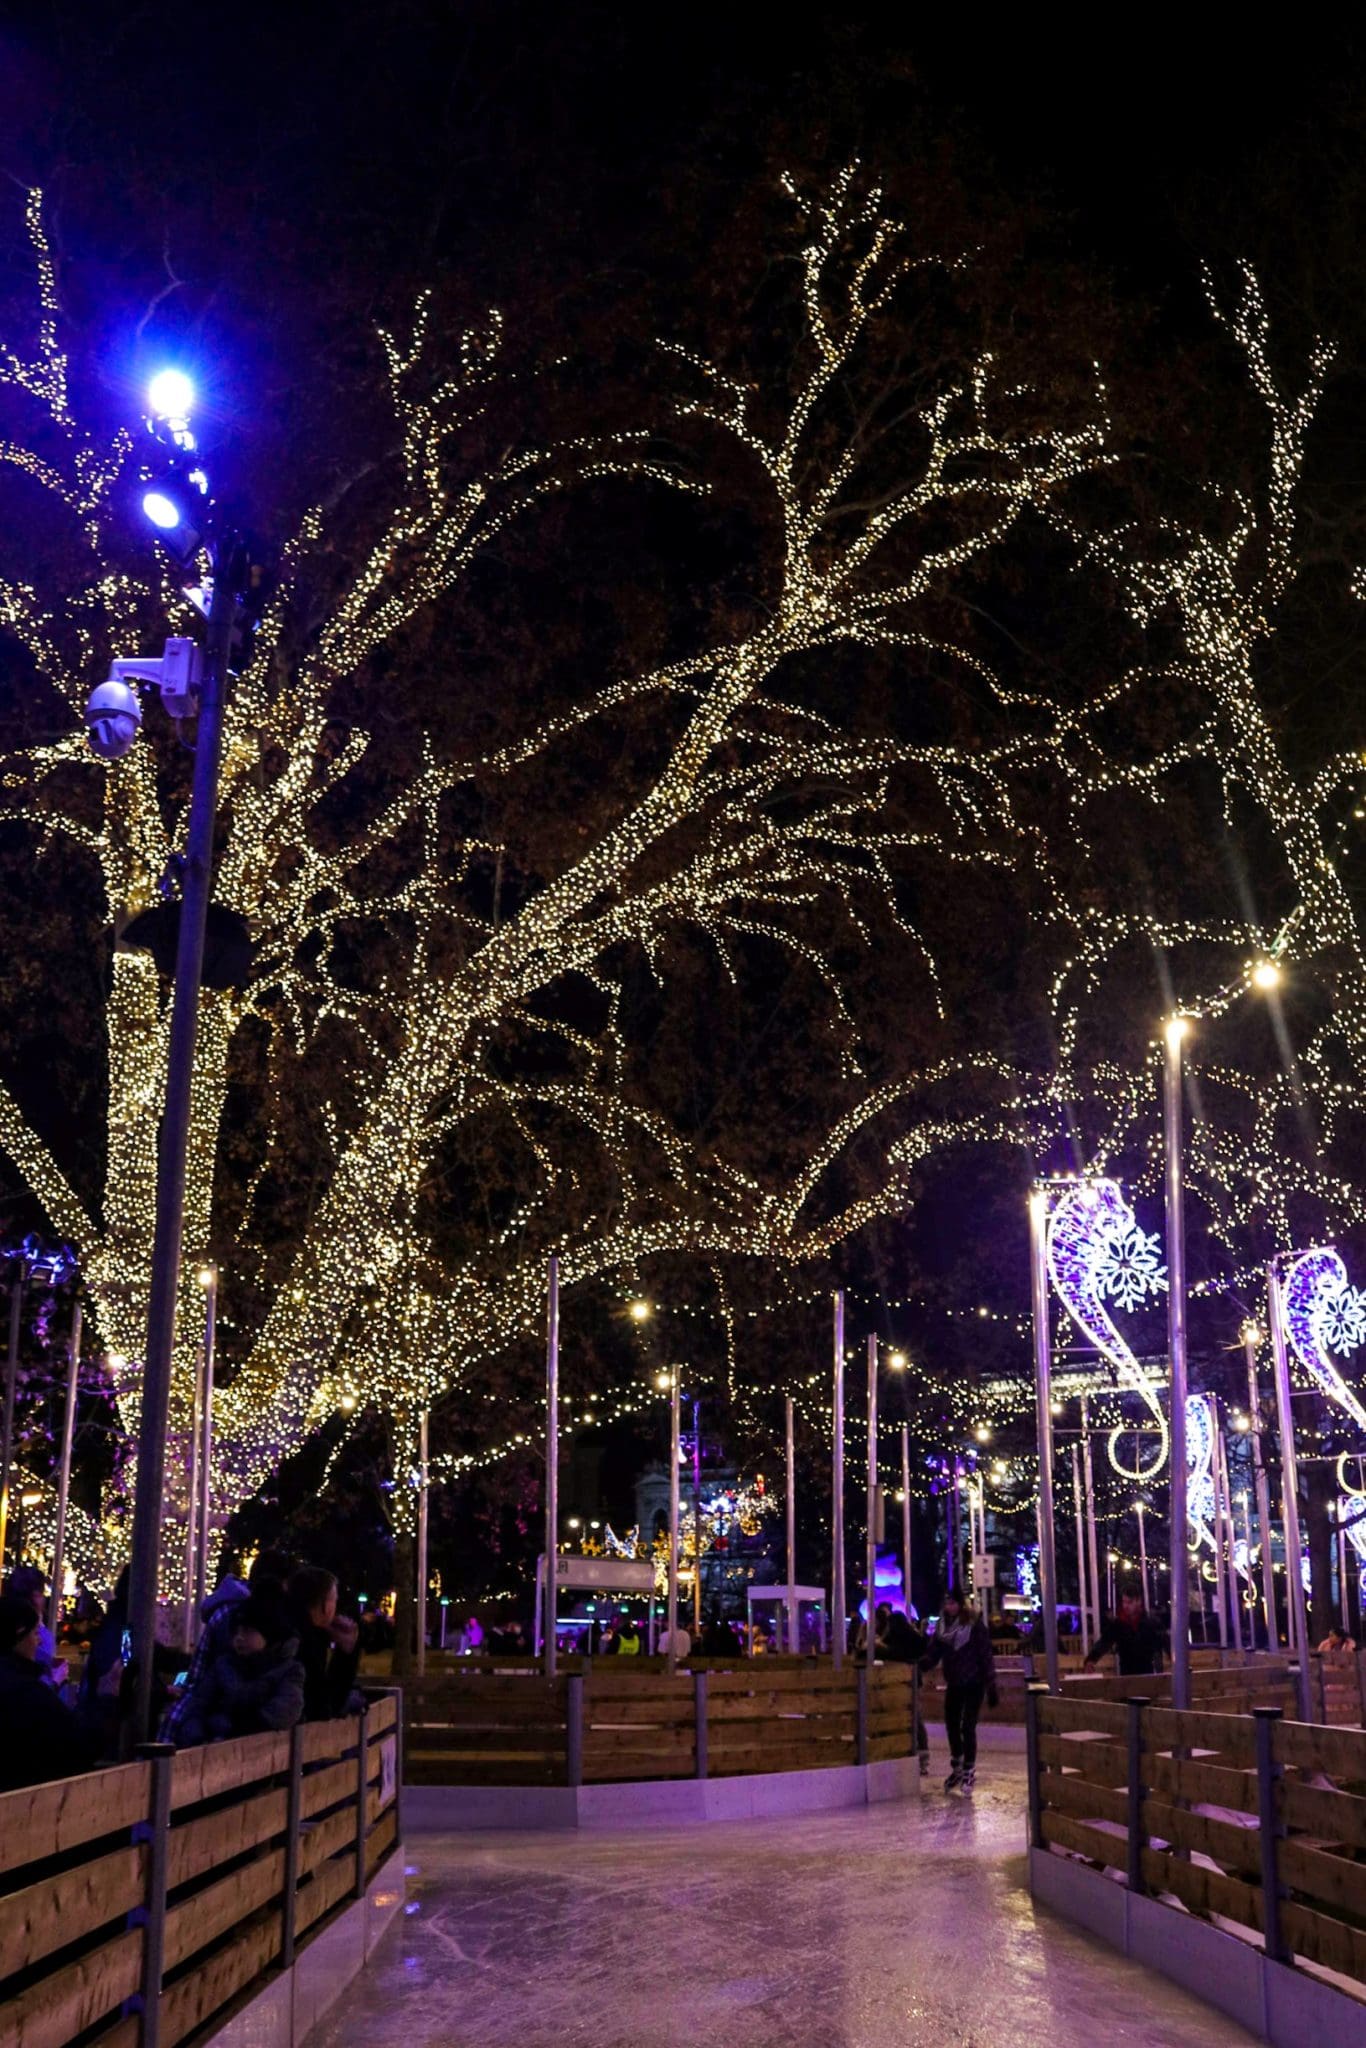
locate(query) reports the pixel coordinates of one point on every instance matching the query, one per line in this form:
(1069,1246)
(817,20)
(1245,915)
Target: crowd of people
(272,1650)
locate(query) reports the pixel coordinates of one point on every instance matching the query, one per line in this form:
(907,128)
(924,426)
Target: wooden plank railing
(620,1720)
(1245,1816)
(140,1900)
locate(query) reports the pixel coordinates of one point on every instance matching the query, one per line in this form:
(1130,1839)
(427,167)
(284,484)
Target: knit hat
(18,1618)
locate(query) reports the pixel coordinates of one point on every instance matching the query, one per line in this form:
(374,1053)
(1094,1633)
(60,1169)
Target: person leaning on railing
(1132,1635)
(40,1737)
(329,1645)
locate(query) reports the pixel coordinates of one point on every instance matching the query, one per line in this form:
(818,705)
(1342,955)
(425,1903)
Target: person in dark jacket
(267,1577)
(962,1644)
(1133,1635)
(40,1738)
(254,1686)
(329,1645)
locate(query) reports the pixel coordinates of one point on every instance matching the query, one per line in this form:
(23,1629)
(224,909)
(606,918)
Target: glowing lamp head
(664,1382)
(1175,1030)
(207,1276)
(161,510)
(897,1361)
(1241,1424)
(640,1311)
(347,1403)
(1251,1333)
(1266,975)
(982,1433)
(170,395)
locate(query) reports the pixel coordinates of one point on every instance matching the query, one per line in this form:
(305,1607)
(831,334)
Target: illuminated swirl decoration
(1200,1469)
(1096,1252)
(1325,1313)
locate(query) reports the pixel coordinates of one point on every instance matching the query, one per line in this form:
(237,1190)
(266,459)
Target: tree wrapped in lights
(760,822)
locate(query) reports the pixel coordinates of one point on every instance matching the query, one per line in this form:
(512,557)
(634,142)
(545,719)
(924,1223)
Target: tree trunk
(405,1606)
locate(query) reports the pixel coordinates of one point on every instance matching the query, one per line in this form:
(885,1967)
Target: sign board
(388,1771)
(983,1569)
(604,1574)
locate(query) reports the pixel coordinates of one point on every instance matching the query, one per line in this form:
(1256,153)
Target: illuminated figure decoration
(1324,1313)
(1027,1572)
(1096,1252)
(888,1589)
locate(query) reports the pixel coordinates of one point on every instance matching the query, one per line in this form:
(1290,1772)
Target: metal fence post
(294,1800)
(699,1716)
(1269,1827)
(861,1724)
(155,1831)
(573,1730)
(362,1800)
(1136,1792)
(1033,1694)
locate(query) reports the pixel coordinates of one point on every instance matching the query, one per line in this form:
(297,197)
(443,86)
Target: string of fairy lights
(364,1314)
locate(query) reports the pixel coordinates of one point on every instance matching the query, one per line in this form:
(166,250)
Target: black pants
(962,1705)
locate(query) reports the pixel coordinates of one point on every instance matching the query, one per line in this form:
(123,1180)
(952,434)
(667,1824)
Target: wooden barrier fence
(618,1721)
(136,1902)
(1238,1817)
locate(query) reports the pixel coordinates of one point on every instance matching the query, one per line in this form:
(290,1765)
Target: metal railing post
(573,1730)
(1134,1875)
(362,1800)
(861,1735)
(155,1831)
(1269,1827)
(1033,1694)
(699,1715)
(294,1800)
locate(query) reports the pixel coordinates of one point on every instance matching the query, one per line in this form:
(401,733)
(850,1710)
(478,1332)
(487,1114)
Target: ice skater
(962,1645)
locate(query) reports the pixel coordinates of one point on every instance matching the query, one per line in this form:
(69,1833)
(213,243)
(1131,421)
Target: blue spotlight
(163,511)
(170,395)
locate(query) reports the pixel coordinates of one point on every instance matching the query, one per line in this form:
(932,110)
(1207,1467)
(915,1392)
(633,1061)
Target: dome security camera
(113,719)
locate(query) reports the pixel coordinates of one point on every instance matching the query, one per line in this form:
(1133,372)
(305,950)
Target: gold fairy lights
(366,1316)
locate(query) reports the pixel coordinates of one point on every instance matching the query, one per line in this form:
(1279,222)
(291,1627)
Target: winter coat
(40,1739)
(329,1673)
(215,1637)
(1139,1646)
(244,1696)
(965,1652)
(903,1643)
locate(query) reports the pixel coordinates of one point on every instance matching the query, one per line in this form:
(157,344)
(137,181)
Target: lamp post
(16,1308)
(552,1463)
(1043,1401)
(1092,1547)
(906,1517)
(208,1278)
(791,1602)
(870,1642)
(1290,1484)
(73,1368)
(838,1616)
(1140,1510)
(423,1421)
(1174,1035)
(1252,1337)
(671,1381)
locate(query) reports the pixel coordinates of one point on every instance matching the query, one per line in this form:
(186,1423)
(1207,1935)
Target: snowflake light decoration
(1324,1313)
(1127,1263)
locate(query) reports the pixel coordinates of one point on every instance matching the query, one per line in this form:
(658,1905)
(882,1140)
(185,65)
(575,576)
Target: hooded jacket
(244,1695)
(215,1635)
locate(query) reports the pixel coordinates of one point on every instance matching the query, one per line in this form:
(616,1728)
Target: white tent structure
(790,1600)
(634,1576)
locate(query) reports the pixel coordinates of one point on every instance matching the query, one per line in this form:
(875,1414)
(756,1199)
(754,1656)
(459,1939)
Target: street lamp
(177,505)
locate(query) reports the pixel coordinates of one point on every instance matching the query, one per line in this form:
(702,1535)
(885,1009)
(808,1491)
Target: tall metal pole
(954,1545)
(1235,1601)
(1092,1547)
(838,1616)
(671,1620)
(16,1305)
(73,1367)
(1220,1527)
(187,1605)
(1252,1337)
(1143,1558)
(906,1516)
(1043,1402)
(1176,1338)
(423,1422)
(1247,1544)
(1079,1515)
(791,1602)
(871,1564)
(197,887)
(1344,1604)
(205,1518)
(552,1464)
(1290,1489)
(697,1516)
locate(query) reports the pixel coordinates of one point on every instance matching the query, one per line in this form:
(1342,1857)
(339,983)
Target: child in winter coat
(255,1685)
